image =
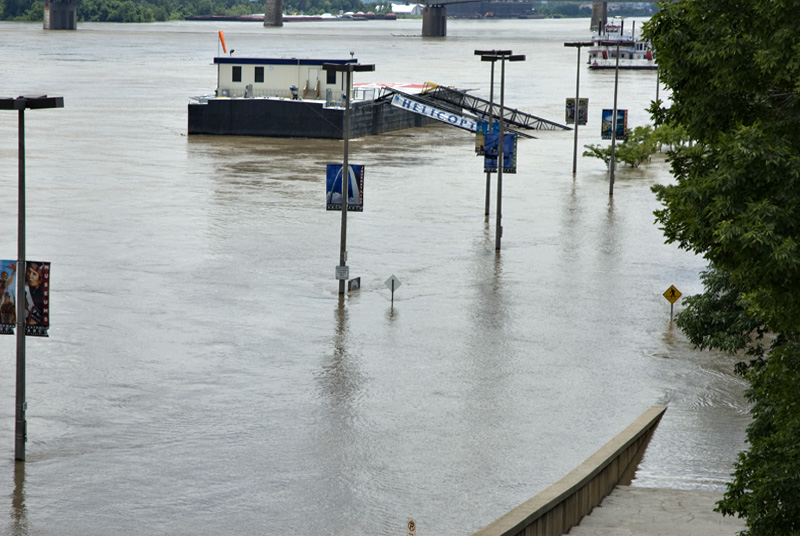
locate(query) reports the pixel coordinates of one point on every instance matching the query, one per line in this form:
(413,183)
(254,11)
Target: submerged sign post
(672,294)
(393,284)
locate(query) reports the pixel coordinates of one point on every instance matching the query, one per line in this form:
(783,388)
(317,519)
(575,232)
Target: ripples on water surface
(202,375)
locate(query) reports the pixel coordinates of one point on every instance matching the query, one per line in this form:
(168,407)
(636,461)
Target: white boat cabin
(288,78)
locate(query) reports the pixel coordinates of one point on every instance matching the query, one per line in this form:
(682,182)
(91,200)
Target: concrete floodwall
(561,506)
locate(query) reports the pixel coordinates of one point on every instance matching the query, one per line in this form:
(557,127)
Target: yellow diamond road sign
(672,294)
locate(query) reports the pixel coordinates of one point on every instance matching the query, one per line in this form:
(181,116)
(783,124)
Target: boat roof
(279,61)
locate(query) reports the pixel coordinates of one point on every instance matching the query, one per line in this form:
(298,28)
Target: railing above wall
(561,506)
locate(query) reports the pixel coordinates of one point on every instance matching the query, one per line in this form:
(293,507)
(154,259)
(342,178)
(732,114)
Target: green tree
(638,148)
(641,144)
(733,71)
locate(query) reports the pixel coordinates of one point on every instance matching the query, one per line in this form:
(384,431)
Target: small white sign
(412,527)
(342,272)
(393,283)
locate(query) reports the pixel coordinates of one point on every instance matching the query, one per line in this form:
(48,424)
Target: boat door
(312,84)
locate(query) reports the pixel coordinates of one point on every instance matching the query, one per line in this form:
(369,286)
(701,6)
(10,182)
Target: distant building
(60,15)
(413,9)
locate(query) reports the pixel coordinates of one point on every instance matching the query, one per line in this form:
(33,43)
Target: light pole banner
(608,122)
(429,111)
(8,302)
(480,136)
(37,298)
(583,111)
(355,187)
(491,147)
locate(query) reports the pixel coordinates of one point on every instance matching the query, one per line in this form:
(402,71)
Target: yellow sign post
(672,294)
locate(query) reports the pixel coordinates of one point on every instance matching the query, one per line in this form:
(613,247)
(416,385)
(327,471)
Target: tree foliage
(641,144)
(733,69)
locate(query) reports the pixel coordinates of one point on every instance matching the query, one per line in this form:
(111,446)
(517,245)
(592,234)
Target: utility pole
(20,104)
(502,56)
(577,102)
(347,68)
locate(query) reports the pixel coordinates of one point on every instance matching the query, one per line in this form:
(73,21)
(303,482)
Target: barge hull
(283,118)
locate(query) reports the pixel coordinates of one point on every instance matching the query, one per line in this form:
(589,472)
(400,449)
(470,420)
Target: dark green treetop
(733,71)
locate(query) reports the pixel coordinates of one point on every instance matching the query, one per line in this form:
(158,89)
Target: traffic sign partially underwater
(672,294)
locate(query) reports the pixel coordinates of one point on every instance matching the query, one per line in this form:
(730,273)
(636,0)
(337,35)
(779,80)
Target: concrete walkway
(630,511)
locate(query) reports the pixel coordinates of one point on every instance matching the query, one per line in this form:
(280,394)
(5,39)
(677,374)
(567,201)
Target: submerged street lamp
(614,128)
(577,45)
(502,56)
(612,163)
(491,120)
(348,68)
(21,104)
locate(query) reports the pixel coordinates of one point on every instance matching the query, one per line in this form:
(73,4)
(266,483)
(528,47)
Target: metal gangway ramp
(480,107)
(458,101)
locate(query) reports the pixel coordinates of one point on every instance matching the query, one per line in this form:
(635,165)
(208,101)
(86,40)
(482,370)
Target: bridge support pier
(434,21)
(599,15)
(273,13)
(60,15)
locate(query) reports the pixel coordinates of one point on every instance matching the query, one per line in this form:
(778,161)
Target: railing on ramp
(459,102)
(481,107)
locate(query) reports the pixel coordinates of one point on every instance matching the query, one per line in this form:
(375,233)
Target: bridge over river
(434,17)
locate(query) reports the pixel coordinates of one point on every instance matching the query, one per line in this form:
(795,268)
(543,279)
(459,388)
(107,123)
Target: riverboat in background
(634,52)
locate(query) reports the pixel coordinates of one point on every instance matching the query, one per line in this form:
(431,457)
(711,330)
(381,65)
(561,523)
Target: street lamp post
(613,162)
(347,68)
(20,104)
(491,120)
(577,45)
(502,56)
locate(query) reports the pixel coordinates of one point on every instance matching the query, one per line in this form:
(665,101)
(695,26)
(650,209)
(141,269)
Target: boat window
(237,73)
(331,78)
(259,74)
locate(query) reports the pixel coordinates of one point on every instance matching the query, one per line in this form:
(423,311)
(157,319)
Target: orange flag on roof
(222,40)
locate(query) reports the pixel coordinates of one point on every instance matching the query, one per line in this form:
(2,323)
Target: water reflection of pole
(346,68)
(576,114)
(20,104)
(501,55)
(20,514)
(613,163)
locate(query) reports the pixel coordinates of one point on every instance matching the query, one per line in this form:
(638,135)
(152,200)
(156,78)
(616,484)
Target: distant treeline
(161,10)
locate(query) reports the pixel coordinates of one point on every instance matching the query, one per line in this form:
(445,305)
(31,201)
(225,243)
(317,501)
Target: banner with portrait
(583,111)
(36,299)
